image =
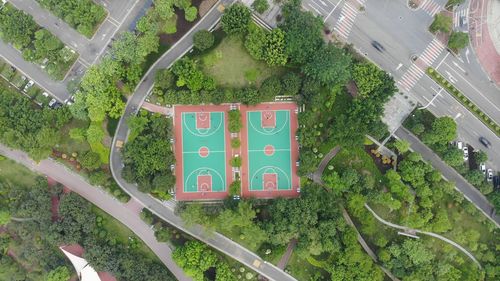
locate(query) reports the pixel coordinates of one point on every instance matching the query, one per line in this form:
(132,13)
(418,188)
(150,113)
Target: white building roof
(83,269)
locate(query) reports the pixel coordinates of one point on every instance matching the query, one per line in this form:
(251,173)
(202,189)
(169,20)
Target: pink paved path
(481,39)
(157,108)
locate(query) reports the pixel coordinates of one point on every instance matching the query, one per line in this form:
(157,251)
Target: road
(121,14)
(404,33)
(469,191)
(102,200)
(166,211)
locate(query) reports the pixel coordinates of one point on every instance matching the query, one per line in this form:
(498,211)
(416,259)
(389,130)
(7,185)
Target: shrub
(236,19)
(203,40)
(236,161)
(458,40)
(270,88)
(260,6)
(234,121)
(235,143)
(190,13)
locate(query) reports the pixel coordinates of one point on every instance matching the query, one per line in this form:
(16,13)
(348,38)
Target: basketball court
(269,150)
(202,152)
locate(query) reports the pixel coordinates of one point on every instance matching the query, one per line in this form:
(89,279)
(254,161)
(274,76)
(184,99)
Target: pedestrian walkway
(417,69)
(430,7)
(346,20)
(288,253)
(168,111)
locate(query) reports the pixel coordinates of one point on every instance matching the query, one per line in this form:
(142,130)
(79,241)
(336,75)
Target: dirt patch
(352,88)
(183,26)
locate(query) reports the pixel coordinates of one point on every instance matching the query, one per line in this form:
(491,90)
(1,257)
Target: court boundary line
(289,180)
(276,116)
(200,135)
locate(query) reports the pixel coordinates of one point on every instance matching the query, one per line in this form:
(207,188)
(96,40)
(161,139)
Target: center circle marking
(268,150)
(203,151)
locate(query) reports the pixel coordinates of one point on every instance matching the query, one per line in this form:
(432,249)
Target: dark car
(485,142)
(378,46)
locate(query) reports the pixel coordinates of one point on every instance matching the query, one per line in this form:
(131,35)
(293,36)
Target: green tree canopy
(236,19)
(329,66)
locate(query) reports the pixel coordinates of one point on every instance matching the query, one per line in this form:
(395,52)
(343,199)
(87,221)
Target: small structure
(83,269)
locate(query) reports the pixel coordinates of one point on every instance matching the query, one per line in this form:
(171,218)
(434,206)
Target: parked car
(482,168)
(460,145)
(466,153)
(485,142)
(29,85)
(490,175)
(52,102)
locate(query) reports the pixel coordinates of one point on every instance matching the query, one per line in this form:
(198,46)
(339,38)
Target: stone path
(288,253)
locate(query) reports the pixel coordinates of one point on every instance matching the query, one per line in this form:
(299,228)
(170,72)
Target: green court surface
(203,153)
(269,151)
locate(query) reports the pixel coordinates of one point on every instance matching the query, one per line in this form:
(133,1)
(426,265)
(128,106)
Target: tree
(137,124)
(368,77)
(303,33)
(90,161)
(475,177)
(458,41)
(260,6)
(270,88)
(443,130)
(162,234)
(164,8)
(194,258)
(203,40)
(255,41)
(329,66)
(274,48)
(236,19)
(454,157)
(164,79)
(441,23)
(191,13)
(291,83)
(61,273)
(481,156)
(402,146)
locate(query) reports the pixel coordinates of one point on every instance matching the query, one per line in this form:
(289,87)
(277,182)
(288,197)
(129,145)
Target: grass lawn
(15,173)
(302,269)
(231,66)
(69,145)
(122,233)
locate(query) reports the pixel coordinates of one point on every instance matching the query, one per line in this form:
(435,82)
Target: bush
(236,161)
(441,23)
(234,121)
(235,143)
(458,41)
(90,161)
(203,40)
(260,6)
(291,83)
(235,188)
(190,13)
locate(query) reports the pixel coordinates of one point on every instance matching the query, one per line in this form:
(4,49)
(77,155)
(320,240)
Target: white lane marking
(456,64)
(442,60)
(399,66)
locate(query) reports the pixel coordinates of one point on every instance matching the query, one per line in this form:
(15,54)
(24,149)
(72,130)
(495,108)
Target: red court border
(177,128)
(246,192)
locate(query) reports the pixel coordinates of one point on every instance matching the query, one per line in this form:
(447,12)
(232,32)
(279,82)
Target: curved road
(102,200)
(407,229)
(166,212)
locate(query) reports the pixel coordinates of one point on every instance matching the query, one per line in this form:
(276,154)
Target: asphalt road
(469,191)
(404,33)
(102,200)
(166,210)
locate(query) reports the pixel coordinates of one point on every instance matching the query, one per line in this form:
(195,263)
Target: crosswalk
(417,69)
(430,7)
(346,20)
(460,17)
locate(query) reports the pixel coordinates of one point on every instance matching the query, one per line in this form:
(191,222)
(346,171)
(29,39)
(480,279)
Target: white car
(466,153)
(45,94)
(460,145)
(29,85)
(482,168)
(52,102)
(490,175)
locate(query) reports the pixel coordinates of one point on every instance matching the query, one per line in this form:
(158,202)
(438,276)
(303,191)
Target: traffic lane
(117,9)
(323,8)
(485,95)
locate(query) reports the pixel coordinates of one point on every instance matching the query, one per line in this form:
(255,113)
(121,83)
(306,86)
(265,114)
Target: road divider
(438,78)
